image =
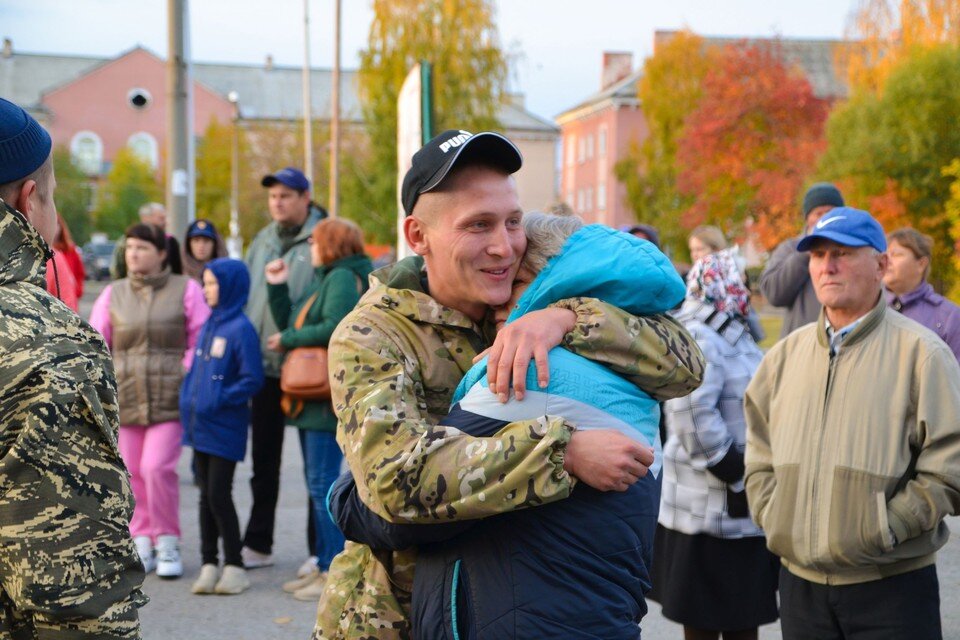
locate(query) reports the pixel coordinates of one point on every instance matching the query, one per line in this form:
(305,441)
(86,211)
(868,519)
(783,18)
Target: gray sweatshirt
(785,282)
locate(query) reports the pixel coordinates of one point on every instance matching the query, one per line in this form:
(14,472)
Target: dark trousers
(266,447)
(902,607)
(218,517)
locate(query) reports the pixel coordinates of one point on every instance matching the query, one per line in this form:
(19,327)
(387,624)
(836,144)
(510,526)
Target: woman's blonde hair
(546,235)
(710,236)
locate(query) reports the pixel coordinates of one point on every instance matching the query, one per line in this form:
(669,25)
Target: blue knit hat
(24,144)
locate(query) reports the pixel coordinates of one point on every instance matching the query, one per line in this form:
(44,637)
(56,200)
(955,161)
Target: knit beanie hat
(820,194)
(24,144)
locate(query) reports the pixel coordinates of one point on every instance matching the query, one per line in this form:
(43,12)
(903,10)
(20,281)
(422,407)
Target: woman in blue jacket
(578,568)
(214,408)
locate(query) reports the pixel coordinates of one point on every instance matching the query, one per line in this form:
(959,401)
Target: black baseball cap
(434,160)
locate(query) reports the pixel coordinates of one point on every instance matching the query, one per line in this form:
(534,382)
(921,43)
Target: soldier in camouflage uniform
(68,567)
(396,360)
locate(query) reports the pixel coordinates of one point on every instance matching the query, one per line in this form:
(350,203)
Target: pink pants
(151,455)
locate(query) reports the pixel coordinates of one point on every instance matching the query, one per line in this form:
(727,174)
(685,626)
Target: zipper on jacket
(819,458)
(454,584)
(202,359)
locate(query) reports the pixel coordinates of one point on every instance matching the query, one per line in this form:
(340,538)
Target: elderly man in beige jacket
(853,450)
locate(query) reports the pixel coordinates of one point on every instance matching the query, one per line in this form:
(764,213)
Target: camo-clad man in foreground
(397,358)
(68,567)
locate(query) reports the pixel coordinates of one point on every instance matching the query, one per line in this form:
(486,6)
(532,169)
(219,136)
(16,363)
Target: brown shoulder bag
(304,375)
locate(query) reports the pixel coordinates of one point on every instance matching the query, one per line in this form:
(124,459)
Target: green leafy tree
(130,183)
(890,150)
(669,91)
(460,40)
(72,195)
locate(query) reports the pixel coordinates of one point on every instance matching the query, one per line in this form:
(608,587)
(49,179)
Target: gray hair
(150,208)
(546,235)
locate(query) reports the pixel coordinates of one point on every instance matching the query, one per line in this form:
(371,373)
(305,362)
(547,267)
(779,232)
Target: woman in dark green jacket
(341,270)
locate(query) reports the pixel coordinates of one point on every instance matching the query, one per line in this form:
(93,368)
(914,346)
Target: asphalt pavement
(265,612)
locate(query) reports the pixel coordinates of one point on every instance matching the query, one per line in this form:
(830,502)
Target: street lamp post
(235,242)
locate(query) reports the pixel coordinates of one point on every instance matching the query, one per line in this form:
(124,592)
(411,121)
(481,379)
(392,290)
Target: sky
(556,45)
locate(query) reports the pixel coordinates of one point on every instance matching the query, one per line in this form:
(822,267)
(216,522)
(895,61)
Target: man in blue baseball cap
(852,457)
(293,216)
(68,566)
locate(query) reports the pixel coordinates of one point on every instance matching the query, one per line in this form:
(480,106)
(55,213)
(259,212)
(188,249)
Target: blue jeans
(321,467)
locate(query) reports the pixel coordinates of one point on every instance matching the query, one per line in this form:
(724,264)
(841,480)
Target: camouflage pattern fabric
(68,567)
(395,362)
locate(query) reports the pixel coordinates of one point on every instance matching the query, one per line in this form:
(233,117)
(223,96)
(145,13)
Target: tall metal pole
(178,174)
(307,102)
(235,242)
(335,116)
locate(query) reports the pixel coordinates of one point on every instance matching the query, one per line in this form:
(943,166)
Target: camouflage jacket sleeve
(68,567)
(410,470)
(655,352)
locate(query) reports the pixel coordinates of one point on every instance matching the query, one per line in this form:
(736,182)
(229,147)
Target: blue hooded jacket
(227,370)
(577,568)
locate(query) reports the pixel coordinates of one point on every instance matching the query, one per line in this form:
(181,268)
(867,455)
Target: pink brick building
(595,134)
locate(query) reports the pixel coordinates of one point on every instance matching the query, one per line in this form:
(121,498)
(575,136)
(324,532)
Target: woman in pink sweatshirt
(151,320)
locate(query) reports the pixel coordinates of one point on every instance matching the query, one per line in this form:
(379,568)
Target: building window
(86,152)
(590,147)
(582,151)
(589,199)
(571,149)
(602,141)
(569,198)
(144,146)
(602,196)
(579,200)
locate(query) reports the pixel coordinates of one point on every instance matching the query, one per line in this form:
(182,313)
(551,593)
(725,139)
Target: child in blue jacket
(215,410)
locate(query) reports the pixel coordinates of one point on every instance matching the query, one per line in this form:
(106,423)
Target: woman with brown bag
(341,270)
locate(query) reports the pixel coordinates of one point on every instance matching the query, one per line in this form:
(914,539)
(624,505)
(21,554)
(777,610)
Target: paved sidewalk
(266,613)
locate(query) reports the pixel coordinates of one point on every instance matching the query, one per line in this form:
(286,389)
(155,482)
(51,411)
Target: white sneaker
(232,581)
(254,559)
(296,584)
(313,591)
(145,551)
(308,567)
(206,581)
(169,564)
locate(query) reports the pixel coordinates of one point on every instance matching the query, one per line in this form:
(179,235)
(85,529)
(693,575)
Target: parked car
(97,257)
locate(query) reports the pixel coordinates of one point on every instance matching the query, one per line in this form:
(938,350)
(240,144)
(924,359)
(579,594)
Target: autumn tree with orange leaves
(887,31)
(669,90)
(751,145)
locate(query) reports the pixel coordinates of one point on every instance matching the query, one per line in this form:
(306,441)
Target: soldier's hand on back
(528,337)
(606,459)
